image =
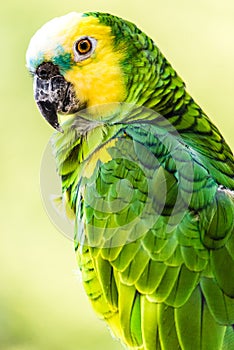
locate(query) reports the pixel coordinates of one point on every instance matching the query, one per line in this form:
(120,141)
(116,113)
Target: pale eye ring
(83,48)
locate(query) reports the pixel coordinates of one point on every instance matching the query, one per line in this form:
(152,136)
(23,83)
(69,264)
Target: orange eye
(83,46)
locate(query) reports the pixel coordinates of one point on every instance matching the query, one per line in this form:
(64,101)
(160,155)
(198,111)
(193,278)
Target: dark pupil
(83,46)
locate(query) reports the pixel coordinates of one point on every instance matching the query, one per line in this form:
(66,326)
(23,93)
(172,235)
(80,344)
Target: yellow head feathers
(96,75)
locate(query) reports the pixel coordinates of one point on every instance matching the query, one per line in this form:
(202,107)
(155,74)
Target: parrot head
(83,60)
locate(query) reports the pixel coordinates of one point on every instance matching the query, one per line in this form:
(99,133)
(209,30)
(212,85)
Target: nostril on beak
(47,70)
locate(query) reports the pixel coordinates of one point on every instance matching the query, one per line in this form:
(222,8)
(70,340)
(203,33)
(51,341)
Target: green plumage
(154,217)
(172,287)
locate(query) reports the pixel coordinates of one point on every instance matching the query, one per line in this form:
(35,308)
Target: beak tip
(59,128)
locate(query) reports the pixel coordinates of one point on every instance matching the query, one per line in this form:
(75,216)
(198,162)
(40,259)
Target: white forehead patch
(47,37)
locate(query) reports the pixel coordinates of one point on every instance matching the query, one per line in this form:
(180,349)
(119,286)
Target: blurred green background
(42,303)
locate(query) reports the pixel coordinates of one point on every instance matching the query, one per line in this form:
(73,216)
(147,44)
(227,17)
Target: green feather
(195,326)
(167,330)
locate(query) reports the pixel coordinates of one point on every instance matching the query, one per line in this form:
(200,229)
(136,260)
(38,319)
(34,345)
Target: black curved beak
(53,94)
(49,112)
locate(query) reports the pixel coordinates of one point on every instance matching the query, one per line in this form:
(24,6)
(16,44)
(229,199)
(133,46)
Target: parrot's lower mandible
(149,179)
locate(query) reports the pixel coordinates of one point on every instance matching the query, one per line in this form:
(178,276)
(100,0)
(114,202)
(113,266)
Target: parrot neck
(159,88)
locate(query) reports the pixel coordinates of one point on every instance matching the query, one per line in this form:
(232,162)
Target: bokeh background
(42,303)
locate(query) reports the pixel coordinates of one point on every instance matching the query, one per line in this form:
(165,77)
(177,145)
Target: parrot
(148,179)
